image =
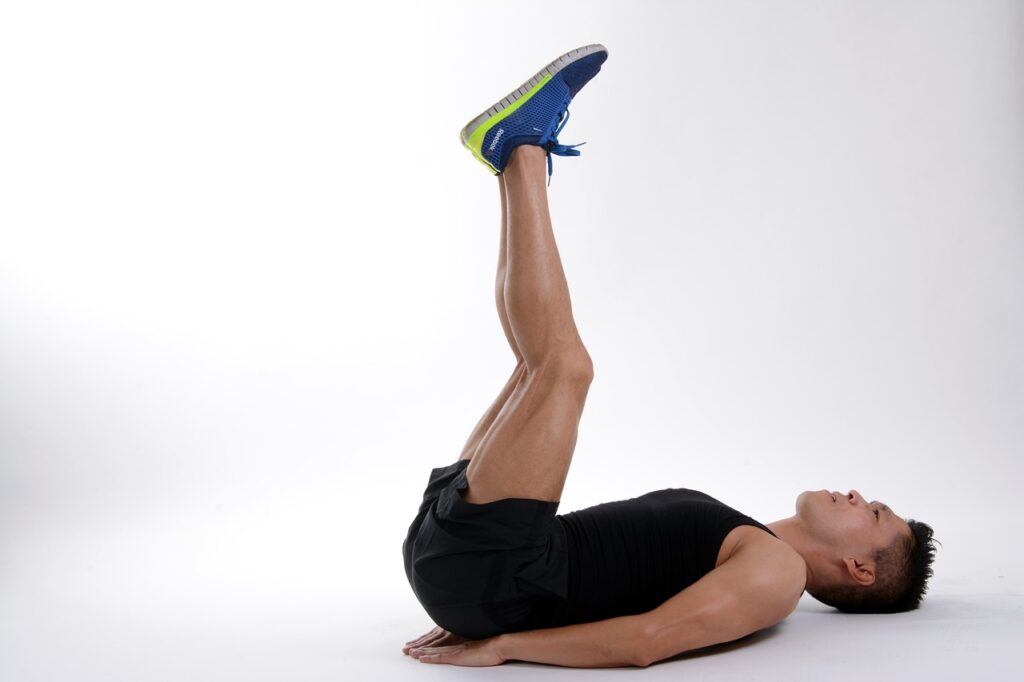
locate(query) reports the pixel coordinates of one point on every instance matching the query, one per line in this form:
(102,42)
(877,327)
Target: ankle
(524,157)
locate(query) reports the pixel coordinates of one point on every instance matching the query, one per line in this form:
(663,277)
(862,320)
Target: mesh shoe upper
(539,119)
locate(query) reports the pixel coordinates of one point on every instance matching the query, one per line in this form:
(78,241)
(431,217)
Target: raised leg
(473,442)
(527,449)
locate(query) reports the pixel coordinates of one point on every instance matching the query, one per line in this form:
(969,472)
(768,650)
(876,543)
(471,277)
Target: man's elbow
(643,658)
(654,642)
(644,651)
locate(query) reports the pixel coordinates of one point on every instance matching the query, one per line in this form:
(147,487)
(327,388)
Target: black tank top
(629,556)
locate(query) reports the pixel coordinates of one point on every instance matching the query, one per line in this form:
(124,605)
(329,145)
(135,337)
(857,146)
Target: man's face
(848,522)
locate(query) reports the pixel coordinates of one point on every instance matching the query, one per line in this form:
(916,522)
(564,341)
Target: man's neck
(793,533)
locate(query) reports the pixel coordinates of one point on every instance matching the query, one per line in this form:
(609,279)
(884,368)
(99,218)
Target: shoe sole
(473,133)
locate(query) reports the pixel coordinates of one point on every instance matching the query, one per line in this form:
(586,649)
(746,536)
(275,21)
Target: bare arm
(756,588)
(610,643)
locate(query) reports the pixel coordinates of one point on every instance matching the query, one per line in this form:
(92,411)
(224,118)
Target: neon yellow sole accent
(476,141)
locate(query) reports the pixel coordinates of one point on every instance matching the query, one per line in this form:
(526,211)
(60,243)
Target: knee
(572,365)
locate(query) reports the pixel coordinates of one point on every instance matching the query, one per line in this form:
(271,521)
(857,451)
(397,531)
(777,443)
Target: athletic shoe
(535,112)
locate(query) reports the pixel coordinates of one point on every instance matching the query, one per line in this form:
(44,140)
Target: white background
(246,306)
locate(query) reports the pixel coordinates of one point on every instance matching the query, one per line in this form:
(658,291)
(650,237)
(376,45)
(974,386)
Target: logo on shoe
(494,142)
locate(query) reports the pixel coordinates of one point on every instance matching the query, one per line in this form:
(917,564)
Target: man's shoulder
(769,561)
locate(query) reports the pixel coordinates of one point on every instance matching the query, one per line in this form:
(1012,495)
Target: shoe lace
(549,141)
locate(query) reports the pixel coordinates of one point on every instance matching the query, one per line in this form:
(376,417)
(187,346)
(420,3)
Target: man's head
(866,559)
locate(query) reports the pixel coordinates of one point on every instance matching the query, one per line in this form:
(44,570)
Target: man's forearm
(602,644)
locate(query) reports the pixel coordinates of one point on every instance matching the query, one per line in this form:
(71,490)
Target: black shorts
(483,569)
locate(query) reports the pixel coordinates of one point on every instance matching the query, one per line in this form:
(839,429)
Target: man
(623,583)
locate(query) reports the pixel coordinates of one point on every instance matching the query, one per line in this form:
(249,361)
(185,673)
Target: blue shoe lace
(549,141)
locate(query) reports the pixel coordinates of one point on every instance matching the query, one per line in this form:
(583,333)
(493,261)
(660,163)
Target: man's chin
(804,501)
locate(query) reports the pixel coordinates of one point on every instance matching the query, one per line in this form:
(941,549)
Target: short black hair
(902,573)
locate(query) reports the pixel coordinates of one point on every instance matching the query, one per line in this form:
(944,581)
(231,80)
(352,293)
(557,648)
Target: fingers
(448,638)
(425,640)
(436,640)
(477,653)
(422,639)
(414,643)
(432,654)
(433,631)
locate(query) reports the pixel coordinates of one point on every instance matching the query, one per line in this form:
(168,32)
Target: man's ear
(862,572)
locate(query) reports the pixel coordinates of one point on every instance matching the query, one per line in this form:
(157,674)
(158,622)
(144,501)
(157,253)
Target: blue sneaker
(534,113)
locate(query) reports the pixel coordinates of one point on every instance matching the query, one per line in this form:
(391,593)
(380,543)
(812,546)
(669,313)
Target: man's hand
(436,637)
(441,646)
